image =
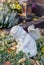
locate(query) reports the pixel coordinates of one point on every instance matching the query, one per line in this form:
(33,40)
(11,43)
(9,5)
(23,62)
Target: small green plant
(40,49)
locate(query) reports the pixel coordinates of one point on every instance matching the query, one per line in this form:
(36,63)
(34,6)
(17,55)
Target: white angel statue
(25,42)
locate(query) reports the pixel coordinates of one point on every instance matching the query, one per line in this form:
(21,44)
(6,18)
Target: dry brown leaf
(33,62)
(22,60)
(7,63)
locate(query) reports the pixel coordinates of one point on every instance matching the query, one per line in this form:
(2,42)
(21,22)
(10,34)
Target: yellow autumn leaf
(18,6)
(42,49)
(35,19)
